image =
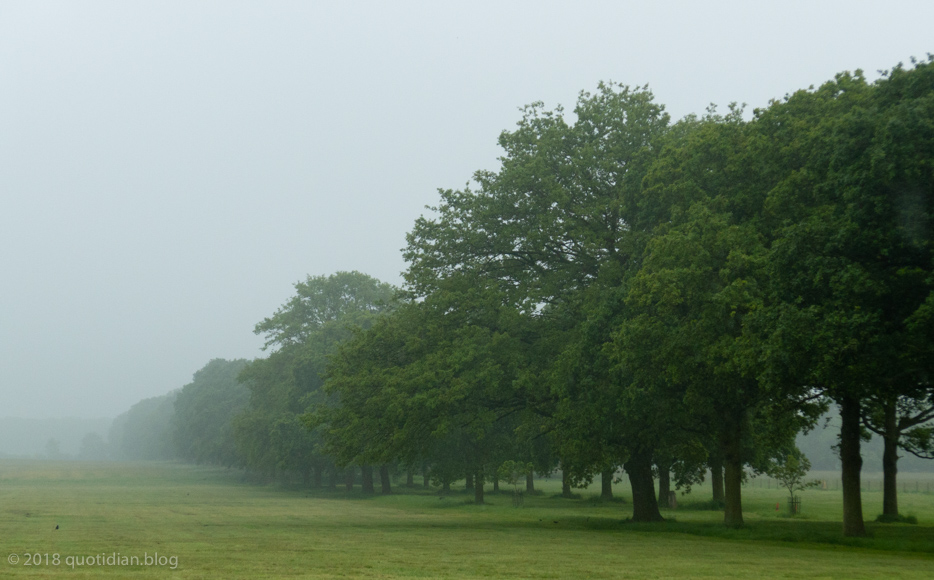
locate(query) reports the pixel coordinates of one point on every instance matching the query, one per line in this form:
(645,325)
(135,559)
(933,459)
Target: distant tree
(204,410)
(52,450)
(790,471)
(515,473)
(903,423)
(302,335)
(144,432)
(93,447)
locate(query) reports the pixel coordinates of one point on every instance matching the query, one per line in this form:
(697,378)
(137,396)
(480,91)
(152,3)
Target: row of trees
(669,298)
(193,423)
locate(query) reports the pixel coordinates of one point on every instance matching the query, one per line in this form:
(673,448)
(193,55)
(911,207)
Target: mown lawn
(216,526)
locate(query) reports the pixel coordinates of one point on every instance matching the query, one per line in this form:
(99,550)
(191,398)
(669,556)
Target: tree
(204,410)
(432,381)
(339,303)
(851,261)
(296,449)
(685,338)
(561,209)
(302,335)
(53,450)
(790,471)
(557,228)
(514,473)
(902,422)
(144,432)
(93,447)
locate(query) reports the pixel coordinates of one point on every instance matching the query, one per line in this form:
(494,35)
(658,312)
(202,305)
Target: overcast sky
(168,170)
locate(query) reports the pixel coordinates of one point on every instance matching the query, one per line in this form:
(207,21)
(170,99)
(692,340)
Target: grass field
(212,525)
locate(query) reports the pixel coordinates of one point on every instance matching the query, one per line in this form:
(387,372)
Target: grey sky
(169,169)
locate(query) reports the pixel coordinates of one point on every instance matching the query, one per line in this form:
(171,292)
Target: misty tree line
(625,291)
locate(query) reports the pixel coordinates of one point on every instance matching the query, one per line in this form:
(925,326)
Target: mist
(170,170)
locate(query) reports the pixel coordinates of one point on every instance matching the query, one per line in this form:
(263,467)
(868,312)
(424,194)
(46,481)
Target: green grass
(219,527)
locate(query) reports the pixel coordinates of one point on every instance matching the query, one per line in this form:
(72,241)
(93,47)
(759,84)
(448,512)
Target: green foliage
(433,381)
(514,472)
(343,299)
(144,432)
(555,232)
(790,471)
(851,259)
(303,333)
(920,441)
(557,214)
(204,410)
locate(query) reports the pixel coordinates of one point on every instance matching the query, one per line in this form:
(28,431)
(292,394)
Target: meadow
(209,523)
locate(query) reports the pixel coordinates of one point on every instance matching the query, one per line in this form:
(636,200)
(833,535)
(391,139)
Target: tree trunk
(733,477)
(478,489)
(606,483)
(445,486)
(733,497)
(317,477)
(529,482)
(385,486)
(367,483)
(664,485)
(565,484)
(716,478)
(410,477)
(890,463)
(852,464)
(349,475)
(426,475)
(495,485)
(644,503)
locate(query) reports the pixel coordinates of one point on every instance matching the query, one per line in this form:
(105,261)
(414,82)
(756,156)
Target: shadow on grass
(887,537)
(901,536)
(702,506)
(897,519)
(563,496)
(600,501)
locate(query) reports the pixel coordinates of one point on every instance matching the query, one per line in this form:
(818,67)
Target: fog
(170,169)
